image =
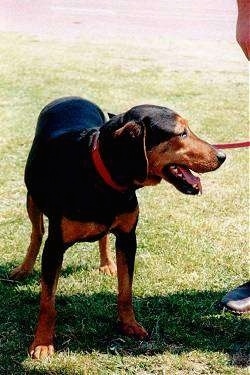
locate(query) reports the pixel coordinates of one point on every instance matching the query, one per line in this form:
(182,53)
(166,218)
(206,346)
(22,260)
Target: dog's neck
(101,167)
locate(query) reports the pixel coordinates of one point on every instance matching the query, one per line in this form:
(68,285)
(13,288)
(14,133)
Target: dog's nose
(221,157)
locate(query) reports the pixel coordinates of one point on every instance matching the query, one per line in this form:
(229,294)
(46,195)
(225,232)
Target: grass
(191,250)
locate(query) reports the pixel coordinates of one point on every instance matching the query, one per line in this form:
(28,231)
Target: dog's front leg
(52,258)
(125,257)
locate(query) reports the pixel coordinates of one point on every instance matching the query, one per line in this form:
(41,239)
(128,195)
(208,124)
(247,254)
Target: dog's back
(55,162)
(67,115)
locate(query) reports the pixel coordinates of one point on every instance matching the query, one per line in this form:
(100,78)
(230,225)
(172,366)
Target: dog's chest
(76,231)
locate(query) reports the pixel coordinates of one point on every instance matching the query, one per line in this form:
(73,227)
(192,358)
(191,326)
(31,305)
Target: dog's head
(151,143)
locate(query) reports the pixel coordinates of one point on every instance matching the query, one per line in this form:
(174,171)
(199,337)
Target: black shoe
(237,300)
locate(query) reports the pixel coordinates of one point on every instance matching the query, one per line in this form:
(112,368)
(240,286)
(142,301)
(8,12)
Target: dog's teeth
(174,170)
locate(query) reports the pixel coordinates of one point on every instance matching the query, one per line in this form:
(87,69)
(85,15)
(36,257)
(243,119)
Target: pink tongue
(191,179)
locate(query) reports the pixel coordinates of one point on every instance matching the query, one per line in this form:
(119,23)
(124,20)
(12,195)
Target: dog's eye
(184,134)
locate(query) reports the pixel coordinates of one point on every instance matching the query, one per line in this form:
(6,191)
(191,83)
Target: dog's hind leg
(36,218)
(107,265)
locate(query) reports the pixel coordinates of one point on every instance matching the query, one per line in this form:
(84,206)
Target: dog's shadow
(177,322)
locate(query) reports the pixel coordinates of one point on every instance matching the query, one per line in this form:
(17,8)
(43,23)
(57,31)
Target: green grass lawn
(191,250)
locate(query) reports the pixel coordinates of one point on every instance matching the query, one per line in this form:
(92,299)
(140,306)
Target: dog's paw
(108,268)
(19,273)
(41,351)
(133,329)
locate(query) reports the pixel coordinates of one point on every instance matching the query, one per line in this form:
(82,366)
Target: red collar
(101,167)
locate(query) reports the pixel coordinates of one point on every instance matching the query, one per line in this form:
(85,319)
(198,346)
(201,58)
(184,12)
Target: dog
(82,172)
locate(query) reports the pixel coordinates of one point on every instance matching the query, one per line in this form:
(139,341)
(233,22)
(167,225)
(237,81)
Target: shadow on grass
(178,323)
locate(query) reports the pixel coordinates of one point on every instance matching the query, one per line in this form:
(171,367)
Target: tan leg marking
(42,345)
(107,265)
(126,318)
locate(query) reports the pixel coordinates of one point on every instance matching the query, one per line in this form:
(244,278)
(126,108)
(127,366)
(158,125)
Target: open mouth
(182,178)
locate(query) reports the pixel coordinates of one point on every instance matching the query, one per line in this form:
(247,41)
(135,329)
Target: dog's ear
(110,115)
(130,141)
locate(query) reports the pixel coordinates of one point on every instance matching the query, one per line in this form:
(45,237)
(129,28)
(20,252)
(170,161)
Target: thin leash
(232,145)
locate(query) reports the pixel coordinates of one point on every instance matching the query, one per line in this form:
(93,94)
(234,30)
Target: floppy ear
(110,115)
(130,141)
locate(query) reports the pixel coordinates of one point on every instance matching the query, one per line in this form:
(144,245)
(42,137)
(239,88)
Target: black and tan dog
(82,173)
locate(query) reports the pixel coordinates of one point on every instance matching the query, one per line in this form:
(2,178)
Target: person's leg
(238,300)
